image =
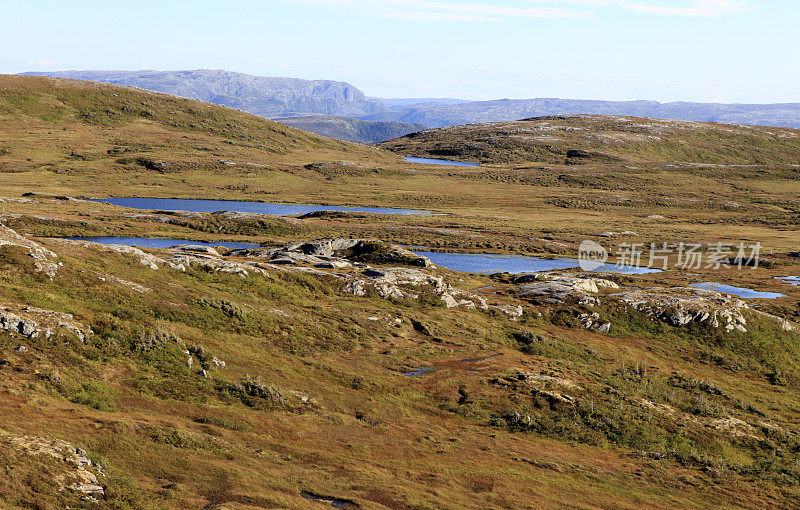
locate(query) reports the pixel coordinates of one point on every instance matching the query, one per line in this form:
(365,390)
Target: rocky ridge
(347,260)
(682,305)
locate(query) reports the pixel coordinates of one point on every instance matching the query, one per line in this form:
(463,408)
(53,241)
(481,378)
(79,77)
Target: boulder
(515,312)
(556,288)
(34,322)
(335,253)
(553,293)
(197,248)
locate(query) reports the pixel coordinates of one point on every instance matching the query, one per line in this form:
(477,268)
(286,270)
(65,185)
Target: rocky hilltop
(265,96)
(437,114)
(604,139)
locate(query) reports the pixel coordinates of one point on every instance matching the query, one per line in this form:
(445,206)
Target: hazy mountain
(440,115)
(350,129)
(268,97)
(289,97)
(408,102)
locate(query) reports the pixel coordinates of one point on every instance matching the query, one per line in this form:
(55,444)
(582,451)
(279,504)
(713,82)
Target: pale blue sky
(694,50)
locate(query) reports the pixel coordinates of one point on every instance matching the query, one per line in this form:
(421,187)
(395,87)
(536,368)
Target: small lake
(420,371)
(737,291)
(488,263)
(147,242)
(181,204)
(443,162)
(791,280)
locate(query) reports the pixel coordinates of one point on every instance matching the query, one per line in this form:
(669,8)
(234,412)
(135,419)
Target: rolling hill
(435,115)
(288,97)
(109,129)
(264,96)
(604,139)
(350,129)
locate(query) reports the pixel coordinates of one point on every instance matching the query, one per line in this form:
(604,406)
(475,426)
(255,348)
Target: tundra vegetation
(331,366)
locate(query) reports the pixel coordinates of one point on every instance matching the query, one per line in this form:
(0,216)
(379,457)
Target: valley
(341,326)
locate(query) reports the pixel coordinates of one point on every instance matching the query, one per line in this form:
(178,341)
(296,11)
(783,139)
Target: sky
(664,50)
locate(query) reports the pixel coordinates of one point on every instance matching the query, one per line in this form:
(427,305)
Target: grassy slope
(59,133)
(606,139)
(498,207)
(170,438)
(350,129)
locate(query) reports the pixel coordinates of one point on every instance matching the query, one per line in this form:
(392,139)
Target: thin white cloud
(484,12)
(705,8)
(40,62)
(697,8)
(414,15)
(430,10)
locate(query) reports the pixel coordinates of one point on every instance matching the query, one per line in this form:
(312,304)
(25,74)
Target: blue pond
(737,291)
(443,162)
(488,263)
(146,242)
(420,371)
(181,204)
(791,280)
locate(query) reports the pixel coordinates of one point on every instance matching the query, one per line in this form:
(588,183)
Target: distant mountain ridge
(264,96)
(291,97)
(438,115)
(409,102)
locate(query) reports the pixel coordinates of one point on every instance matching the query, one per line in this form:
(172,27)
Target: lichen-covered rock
(335,253)
(399,283)
(356,287)
(513,311)
(582,282)
(34,322)
(196,248)
(588,320)
(141,289)
(144,258)
(44,259)
(556,288)
(679,306)
(457,297)
(76,475)
(214,263)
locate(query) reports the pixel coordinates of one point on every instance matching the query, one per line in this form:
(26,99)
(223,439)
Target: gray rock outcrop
(335,253)
(555,288)
(34,323)
(44,259)
(681,305)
